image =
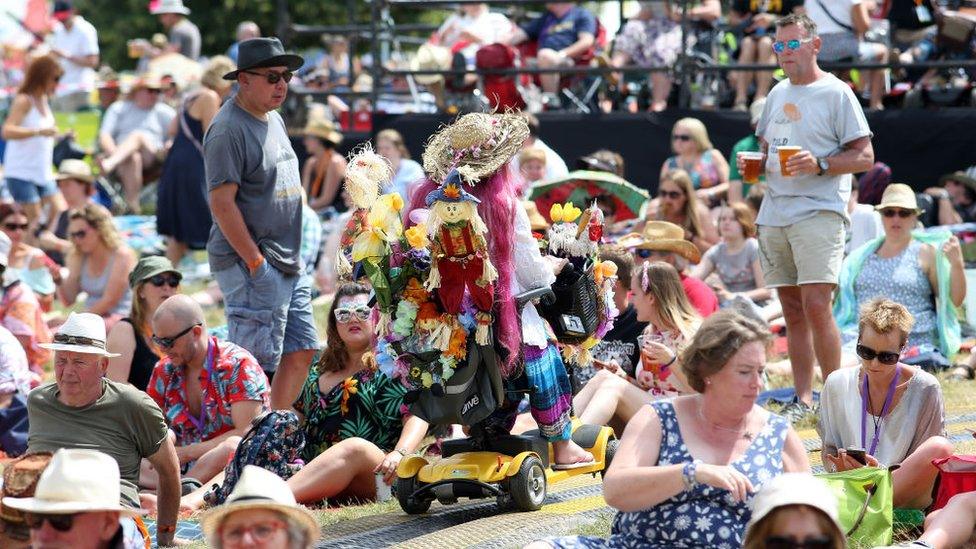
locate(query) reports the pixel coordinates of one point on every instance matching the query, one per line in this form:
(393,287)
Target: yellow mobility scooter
(514,469)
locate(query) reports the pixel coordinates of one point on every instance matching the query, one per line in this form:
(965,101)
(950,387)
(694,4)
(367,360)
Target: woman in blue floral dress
(686,468)
(354,419)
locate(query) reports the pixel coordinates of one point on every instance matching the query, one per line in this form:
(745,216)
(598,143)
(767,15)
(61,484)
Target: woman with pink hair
(478,146)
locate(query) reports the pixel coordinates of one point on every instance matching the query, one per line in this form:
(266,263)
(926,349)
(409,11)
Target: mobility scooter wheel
(405,487)
(528,487)
(608,456)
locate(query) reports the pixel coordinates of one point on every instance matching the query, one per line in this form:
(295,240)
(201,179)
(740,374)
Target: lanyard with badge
(211,357)
(879,421)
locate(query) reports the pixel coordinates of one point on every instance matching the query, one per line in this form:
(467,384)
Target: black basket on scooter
(573,312)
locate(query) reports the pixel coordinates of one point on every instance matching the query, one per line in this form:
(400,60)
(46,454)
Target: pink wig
(497,209)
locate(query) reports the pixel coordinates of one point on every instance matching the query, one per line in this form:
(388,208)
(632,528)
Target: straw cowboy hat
(899,195)
(795,489)
(259,488)
(72,168)
(170,6)
(81,333)
(536,221)
(663,237)
(147,81)
(76,481)
(967,178)
(476,144)
(430,57)
(322,127)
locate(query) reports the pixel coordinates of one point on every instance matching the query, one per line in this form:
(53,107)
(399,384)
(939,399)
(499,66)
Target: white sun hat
(258,488)
(76,481)
(81,333)
(170,6)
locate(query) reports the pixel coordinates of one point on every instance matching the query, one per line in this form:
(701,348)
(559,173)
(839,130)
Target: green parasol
(581,186)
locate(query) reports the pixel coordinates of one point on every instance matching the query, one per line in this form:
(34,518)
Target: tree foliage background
(118,21)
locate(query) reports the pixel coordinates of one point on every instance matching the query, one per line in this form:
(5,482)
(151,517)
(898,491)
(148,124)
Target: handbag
(957,475)
(864,504)
(573,313)
(472,394)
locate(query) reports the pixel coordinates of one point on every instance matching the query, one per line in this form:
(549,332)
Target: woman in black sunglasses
(677,203)
(153,280)
(921,270)
(892,413)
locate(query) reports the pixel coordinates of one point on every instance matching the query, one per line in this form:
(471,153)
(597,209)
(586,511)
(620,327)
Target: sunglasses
(784,542)
(168,342)
(15,226)
(78,235)
(681,137)
(892,212)
(793,45)
(274,77)
(344,315)
(61,523)
(159,280)
(259,532)
(884,357)
(646,254)
(673,195)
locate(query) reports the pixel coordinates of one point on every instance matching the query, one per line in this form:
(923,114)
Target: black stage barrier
(919,145)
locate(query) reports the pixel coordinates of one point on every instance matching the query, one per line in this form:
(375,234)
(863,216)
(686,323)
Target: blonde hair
(885,316)
(471,212)
(664,283)
(756,535)
(720,336)
(532,153)
(213,73)
(396,139)
(101,220)
(696,129)
(690,211)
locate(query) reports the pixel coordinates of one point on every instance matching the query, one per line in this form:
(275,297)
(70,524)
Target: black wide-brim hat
(263,52)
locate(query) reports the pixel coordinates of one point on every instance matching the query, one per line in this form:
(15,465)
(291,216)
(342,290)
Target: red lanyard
(865,397)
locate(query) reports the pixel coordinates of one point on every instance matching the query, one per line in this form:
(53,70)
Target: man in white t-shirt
(803,218)
(75,43)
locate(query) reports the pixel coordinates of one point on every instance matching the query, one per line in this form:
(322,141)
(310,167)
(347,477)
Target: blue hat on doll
(451,191)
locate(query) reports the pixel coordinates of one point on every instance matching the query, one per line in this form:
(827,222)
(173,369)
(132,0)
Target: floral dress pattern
(236,377)
(20,312)
(705,517)
(654,42)
(367,405)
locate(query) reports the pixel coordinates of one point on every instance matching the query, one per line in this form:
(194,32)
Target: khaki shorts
(806,252)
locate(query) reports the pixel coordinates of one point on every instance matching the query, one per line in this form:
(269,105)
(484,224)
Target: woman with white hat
(76,504)
(794,510)
(924,271)
(260,512)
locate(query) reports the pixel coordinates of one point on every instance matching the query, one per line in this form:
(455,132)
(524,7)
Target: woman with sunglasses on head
(98,265)
(892,412)
(29,131)
(678,203)
(613,396)
(354,419)
(694,153)
(29,264)
(922,271)
(152,281)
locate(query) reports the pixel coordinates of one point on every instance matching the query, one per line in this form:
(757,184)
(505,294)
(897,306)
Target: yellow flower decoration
(417,236)
(426,379)
(396,202)
(564,213)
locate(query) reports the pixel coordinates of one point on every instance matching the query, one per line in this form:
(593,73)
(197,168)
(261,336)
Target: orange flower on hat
(452,192)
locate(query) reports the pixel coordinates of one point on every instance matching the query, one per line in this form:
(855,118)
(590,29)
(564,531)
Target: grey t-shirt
(186,35)
(124,117)
(735,269)
(124,423)
(820,117)
(257,156)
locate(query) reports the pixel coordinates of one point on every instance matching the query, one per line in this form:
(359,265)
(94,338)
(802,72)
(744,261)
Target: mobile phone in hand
(858,454)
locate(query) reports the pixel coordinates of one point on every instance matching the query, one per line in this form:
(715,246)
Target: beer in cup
(785,152)
(753,165)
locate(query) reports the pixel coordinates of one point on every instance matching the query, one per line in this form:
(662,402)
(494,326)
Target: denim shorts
(269,314)
(29,192)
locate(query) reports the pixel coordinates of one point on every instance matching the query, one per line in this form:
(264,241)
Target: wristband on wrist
(674,357)
(688,474)
(253,265)
(168,529)
(402,452)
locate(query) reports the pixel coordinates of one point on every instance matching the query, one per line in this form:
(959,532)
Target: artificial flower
(417,236)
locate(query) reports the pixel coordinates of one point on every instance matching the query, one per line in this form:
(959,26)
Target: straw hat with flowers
(662,236)
(476,145)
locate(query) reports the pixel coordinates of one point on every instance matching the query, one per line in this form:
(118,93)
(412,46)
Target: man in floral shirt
(209,390)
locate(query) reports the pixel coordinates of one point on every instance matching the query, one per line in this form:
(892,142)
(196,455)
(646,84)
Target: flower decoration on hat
(476,145)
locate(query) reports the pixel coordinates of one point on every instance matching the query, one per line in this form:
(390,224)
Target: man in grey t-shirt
(183,35)
(256,202)
(803,217)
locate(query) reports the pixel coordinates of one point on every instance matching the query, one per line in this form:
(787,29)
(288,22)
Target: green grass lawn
(84,124)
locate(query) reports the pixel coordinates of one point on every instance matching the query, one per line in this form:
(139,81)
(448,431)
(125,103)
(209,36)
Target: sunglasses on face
(673,195)
(15,226)
(884,357)
(793,45)
(168,342)
(647,254)
(78,235)
(789,542)
(892,212)
(159,280)
(344,315)
(61,523)
(681,137)
(274,77)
